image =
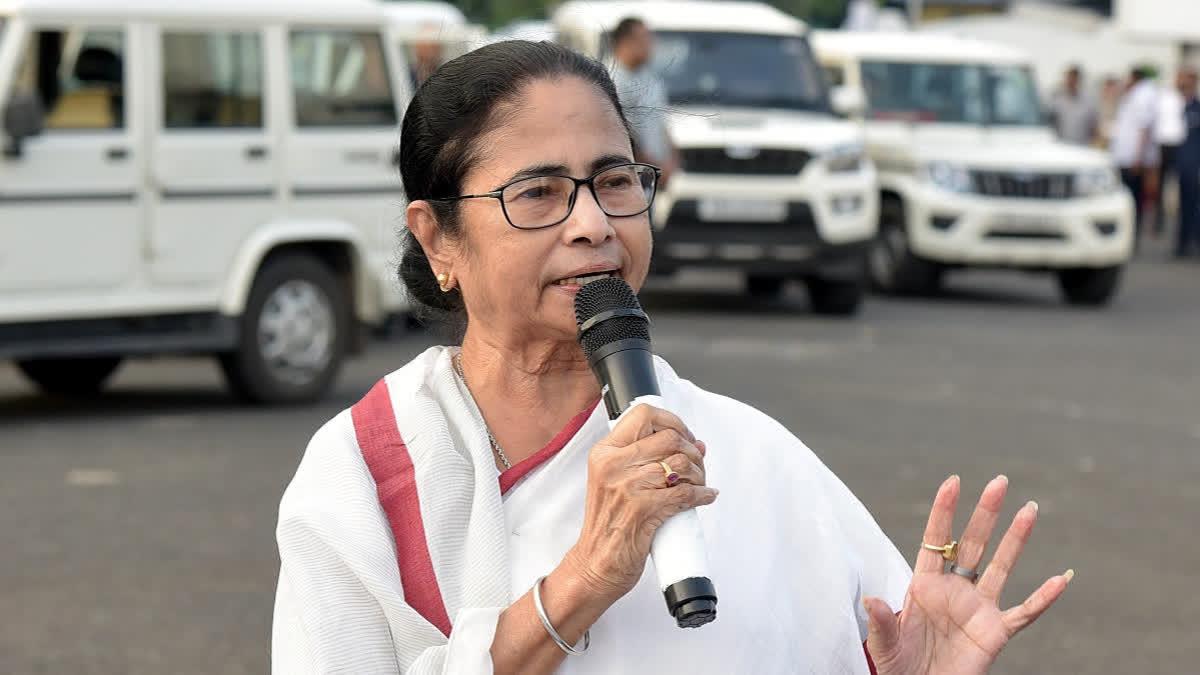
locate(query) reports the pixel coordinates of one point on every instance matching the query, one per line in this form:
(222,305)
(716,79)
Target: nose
(587,223)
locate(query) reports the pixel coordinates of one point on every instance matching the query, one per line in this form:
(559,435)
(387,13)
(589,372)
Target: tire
(294,333)
(764,287)
(894,268)
(1089,286)
(70,377)
(835,298)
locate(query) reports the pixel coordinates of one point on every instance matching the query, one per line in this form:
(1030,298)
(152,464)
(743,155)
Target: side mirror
(23,117)
(848,101)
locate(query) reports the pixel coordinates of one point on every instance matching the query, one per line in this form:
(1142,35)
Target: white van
(197,178)
(771,182)
(971,173)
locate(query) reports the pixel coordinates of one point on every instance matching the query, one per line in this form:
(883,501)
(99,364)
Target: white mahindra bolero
(197,178)
(970,173)
(772,183)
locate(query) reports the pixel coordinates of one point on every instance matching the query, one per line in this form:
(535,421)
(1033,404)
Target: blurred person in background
(643,96)
(476,513)
(1169,133)
(1075,113)
(1187,166)
(861,15)
(1132,146)
(427,55)
(1108,100)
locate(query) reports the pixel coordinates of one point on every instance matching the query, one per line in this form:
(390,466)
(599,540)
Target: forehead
(562,120)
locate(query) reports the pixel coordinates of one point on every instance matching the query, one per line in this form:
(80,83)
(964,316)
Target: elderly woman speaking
(475,513)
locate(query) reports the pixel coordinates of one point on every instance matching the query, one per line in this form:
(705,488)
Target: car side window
(78,76)
(340,79)
(212,79)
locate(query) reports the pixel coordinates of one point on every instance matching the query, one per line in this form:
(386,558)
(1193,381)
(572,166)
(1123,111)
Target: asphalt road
(137,529)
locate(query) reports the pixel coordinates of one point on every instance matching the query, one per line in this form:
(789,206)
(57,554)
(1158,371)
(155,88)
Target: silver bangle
(562,644)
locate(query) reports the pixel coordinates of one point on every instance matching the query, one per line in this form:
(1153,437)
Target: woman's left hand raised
(950,624)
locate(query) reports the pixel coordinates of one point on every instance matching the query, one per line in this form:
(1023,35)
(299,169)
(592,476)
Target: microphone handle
(626,372)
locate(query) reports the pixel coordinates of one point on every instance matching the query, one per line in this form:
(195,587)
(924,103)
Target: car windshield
(739,69)
(952,92)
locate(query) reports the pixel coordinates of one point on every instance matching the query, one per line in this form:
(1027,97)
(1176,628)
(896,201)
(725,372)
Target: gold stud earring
(443,282)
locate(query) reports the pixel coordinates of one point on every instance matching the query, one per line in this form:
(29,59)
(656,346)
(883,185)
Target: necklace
(458,368)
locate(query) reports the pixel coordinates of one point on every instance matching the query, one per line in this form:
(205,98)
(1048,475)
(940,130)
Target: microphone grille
(605,295)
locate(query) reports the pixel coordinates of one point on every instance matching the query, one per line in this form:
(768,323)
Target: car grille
(763,162)
(1025,185)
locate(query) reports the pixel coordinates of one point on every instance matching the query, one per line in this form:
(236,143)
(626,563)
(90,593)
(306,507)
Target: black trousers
(1189,210)
(1168,172)
(1134,182)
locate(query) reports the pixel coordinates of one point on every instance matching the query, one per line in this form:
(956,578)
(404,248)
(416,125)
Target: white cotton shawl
(791,549)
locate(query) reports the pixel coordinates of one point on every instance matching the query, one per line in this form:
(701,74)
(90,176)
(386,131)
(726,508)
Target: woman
(475,514)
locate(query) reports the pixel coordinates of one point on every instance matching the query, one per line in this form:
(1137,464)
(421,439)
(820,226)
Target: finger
(996,574)
(682,468)
(642,421)
(683,497)
(938,528)
(983,521)
(883,625)
(661,445)
(1019,617)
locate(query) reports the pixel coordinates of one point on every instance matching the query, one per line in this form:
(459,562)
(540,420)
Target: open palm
(950,624)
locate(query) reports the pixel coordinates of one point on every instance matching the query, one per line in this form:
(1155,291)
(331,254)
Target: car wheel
(70,377)
(759,286)
(293,335)
(835,298)
(1089,286)
(894,268)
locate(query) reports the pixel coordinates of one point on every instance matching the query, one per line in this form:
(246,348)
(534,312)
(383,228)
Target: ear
(423,224)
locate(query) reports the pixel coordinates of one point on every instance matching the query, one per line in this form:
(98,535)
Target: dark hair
(450,111)
(625,29)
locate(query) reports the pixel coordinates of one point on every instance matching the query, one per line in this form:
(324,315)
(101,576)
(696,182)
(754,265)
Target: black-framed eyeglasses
(621,191)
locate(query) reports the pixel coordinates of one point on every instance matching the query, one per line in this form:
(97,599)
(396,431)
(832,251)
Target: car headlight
(845,158)
(947,176)
(1093,182)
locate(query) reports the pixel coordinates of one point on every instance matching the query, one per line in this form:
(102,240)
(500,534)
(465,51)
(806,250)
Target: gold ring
(949,551)
(672,475)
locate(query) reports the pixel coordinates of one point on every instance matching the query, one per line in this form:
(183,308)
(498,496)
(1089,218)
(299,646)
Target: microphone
(615,335)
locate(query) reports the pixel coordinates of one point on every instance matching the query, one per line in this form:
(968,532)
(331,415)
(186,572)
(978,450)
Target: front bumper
(971,229)
(827,222)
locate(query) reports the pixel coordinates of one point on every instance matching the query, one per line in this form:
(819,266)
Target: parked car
(971,174)
(206,178)
(771,182)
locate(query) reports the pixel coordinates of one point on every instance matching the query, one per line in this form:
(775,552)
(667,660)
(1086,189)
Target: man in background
(1187,165)
(1076,115)
(643,96)
(427,55)
(1133,147)
(1169,132)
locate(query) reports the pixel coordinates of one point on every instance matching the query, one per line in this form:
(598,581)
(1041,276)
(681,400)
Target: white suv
(197,178)
(971,175)
(772,183)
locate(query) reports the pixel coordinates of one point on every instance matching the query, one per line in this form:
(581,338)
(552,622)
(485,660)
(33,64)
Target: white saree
(792,551)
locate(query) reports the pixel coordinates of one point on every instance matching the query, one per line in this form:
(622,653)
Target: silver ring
(970,574)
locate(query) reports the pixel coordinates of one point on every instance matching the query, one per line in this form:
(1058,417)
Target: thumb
(883,640)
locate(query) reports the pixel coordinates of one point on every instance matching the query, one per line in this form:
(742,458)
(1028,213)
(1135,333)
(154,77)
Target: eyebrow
(561,169)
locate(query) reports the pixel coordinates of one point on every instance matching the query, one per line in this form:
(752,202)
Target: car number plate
(743,210)
(1026,222)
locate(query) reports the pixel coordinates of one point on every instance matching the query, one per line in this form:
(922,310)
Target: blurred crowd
(1152,130)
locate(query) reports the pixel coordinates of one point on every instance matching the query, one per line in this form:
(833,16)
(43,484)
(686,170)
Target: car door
(71,218)
(214,163)
(344,130)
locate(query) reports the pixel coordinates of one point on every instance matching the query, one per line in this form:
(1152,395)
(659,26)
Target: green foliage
(496,13)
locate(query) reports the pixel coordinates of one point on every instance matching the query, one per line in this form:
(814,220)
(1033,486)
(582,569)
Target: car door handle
(363,157)
(256,152)
(117,154)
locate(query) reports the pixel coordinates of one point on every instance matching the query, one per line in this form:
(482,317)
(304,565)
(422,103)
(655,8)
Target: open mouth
(586,279)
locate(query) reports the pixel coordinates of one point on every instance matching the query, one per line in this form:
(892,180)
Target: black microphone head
(607,310)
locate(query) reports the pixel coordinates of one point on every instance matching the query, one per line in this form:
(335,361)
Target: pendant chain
(458,368)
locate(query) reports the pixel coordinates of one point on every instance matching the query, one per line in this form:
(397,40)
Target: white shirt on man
(1137,114)
(643,97)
